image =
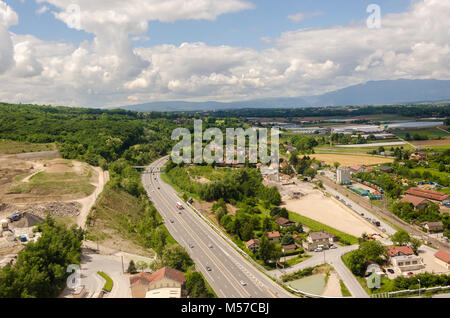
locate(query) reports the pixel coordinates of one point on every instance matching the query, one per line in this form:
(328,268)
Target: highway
(230,274)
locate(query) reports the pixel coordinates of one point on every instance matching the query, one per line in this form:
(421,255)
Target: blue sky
(246,28)
(213,49)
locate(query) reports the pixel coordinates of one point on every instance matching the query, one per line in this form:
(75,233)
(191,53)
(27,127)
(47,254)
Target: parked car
(332,246)
(319,249)
(390,270)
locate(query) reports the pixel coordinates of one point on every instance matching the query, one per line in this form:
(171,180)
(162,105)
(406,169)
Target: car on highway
(243,283)
(171,221)
(159,188)
(208,268)
(191,245)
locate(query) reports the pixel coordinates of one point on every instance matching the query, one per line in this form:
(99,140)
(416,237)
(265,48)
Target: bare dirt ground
(430,143)
(327,210)
(350,160)
(333,288)
(14,171)
(88,202)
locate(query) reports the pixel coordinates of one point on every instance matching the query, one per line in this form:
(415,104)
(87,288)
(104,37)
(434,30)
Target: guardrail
(305,293)
(409,291)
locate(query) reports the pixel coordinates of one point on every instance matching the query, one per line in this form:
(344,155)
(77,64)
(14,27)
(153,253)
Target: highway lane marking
(218,264)
(207,236)
(222,241)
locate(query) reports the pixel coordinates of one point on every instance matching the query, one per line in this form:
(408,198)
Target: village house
(252,245)
(433,226)
(318,239)
(418,156)
(288,248)
(164,283)
(385,169)
(417,202)
(357,168)
(443,258)
(283,222)
(274,236)
(404,259)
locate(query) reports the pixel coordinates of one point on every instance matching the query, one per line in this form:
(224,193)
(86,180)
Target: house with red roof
(164,283)
(283,222)
(443,258)
(274,236)
(252,245)
(404,259)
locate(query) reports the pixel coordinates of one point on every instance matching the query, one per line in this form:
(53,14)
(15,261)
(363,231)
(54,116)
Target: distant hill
(370,93)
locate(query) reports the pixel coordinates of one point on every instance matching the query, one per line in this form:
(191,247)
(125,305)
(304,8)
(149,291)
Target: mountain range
(371,93)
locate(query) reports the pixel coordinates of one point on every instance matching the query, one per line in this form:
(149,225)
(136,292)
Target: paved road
(91,263)
(228,267)
(332,257)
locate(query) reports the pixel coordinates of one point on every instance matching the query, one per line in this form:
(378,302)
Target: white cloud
(42,10)
(299,17)
(110,71)
(7,18)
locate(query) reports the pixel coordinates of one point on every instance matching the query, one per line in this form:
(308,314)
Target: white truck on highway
(179,206)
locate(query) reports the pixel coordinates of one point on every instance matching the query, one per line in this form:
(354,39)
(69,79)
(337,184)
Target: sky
(107,53)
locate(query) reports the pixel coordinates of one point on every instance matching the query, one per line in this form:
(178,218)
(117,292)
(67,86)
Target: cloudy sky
(106,53)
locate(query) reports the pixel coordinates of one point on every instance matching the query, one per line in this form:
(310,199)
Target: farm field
(430,132)
(435,144)
(350,160)
(10,147)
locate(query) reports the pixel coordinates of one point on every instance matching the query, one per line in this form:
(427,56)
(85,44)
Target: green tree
(401,238)
(176,257)
(131,267)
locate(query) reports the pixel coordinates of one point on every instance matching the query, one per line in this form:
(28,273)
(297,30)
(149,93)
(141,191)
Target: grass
(109,282)
(387,284)
(47,184)
(296,260)
(317,226)
(10,147)
(429,132)
(116,213)
(344,290)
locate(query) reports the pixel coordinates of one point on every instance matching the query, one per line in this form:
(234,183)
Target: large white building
(343,175)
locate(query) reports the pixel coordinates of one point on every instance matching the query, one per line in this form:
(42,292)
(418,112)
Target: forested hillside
(92,135)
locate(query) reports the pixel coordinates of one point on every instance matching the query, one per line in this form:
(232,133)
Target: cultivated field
(350,160)
(432,143)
